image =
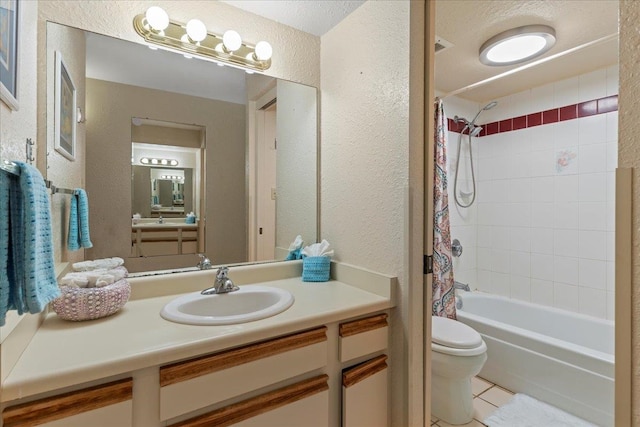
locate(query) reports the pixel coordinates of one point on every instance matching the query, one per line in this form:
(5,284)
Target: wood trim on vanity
(68,404)
(364,370)
(363,325)
(185,370)
(249,408)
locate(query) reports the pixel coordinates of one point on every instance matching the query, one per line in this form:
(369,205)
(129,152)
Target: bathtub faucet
(464,287)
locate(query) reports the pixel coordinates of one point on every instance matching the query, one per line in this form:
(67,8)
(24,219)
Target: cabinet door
(305,403)
(194,384)
(364,394)
(105,405)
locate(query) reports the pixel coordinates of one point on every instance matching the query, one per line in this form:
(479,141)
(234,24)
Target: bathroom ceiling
(468,24)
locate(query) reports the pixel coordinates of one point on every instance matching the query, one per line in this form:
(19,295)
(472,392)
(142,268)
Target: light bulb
(263,51)
(154,161)
(174,163)
(164,161)
(231,40)
(157,18)
(196,30)
(144,160)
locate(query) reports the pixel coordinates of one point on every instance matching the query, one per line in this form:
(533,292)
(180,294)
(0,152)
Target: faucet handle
(222,273)
(205,263)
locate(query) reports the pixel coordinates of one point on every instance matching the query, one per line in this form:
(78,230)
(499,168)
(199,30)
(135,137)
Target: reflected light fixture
(156,161)
(193,40)
(517,45)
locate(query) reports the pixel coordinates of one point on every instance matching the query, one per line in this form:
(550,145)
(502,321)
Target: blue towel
(78,236)
(27,274)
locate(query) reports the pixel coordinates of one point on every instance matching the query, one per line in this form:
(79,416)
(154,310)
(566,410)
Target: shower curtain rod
(532,64)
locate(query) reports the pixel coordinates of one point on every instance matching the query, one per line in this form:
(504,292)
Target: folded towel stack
(95,274)
(27,274)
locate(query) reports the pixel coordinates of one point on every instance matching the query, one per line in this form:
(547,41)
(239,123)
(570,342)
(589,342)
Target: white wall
(545,229)
(365,153)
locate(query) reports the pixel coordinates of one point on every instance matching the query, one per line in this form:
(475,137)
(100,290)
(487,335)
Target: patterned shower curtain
(443,292)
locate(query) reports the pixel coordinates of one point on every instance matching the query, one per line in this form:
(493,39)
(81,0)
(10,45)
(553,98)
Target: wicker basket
(316,269)
(91,303)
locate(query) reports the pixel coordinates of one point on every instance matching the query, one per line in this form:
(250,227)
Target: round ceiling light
(517,45)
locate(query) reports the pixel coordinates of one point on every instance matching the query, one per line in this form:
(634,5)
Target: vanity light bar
(171,177)
(229,48)
(159,162)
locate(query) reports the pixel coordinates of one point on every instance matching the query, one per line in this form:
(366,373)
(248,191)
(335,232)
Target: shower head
(476,130)
(486,107)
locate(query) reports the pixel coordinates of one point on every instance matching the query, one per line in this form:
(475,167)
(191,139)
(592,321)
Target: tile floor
(487,397)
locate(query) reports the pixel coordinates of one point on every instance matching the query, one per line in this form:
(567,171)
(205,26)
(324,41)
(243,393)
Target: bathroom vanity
(322,362)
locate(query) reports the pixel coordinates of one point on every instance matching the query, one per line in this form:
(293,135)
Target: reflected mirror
(251,182)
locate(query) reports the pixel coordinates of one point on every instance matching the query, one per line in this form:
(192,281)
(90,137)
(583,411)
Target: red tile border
(588,108)
(554,115)
(534,119)
(550,116)
(519,122)
(569,112)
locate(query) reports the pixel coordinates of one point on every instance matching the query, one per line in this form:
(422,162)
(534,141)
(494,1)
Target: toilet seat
(451,337)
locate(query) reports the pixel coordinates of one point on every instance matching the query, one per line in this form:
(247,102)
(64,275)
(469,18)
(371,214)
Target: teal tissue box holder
(316,268)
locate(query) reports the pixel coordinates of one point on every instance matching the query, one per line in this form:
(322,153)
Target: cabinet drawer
(100,406)
(302,404)
(197,383)
(363,336)
(364,394)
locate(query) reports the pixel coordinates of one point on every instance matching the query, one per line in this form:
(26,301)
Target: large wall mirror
(163,136)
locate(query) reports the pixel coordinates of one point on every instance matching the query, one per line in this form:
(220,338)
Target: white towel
(94,278)
(98,264)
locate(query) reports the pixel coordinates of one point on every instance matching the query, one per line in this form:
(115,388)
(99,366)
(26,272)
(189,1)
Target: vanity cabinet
(197,383)
(104,405)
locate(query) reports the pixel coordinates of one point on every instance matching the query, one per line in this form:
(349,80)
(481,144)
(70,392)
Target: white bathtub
(560,357)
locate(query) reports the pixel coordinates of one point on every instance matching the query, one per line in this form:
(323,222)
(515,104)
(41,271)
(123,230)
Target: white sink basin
(245,305)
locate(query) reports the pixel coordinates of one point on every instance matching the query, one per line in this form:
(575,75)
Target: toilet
(457,355)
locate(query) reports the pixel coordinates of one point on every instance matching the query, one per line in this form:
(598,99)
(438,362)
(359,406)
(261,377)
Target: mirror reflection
(252,185)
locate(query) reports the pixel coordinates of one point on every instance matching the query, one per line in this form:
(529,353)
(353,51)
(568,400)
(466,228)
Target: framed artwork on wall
(9,53)
(64,110)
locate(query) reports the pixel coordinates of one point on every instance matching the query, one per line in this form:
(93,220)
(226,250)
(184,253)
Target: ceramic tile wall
(545,205)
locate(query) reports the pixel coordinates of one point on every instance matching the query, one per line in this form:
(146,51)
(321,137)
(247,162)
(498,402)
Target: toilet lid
(451,333)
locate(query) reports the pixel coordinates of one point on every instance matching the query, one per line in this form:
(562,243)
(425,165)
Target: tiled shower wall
(544,212)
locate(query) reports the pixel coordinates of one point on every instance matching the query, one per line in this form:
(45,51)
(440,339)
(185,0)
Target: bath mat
(525,411)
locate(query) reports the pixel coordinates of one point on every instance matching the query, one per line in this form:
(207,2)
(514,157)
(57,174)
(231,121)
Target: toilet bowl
(457,355)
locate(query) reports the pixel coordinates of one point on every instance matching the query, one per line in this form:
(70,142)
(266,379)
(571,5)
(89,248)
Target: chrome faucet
(160,220)
(222,285)
(464,287)
(205,263)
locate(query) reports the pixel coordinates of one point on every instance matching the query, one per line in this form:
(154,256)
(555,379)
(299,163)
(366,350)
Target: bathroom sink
(244,305)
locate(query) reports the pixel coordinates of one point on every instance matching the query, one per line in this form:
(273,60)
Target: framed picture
(9,53)
(64,110)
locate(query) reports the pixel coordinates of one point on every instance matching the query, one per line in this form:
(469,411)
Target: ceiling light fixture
(517,45)
(193,40)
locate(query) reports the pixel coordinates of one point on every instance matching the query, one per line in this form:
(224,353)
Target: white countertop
(64,353)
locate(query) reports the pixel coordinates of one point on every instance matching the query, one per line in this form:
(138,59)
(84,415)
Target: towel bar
(12,168)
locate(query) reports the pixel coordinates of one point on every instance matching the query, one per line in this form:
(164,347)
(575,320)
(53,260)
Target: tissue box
(316,268)
(91,303)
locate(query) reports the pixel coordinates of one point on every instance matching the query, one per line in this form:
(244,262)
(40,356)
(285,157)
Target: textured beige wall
(629,157)
(63,172)
(110,107)
(17,126)
(365,154)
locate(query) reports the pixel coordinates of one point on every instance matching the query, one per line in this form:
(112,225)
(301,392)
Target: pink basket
(91,303)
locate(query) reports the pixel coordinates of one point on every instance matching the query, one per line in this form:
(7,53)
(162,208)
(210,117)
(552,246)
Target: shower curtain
(443,291)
